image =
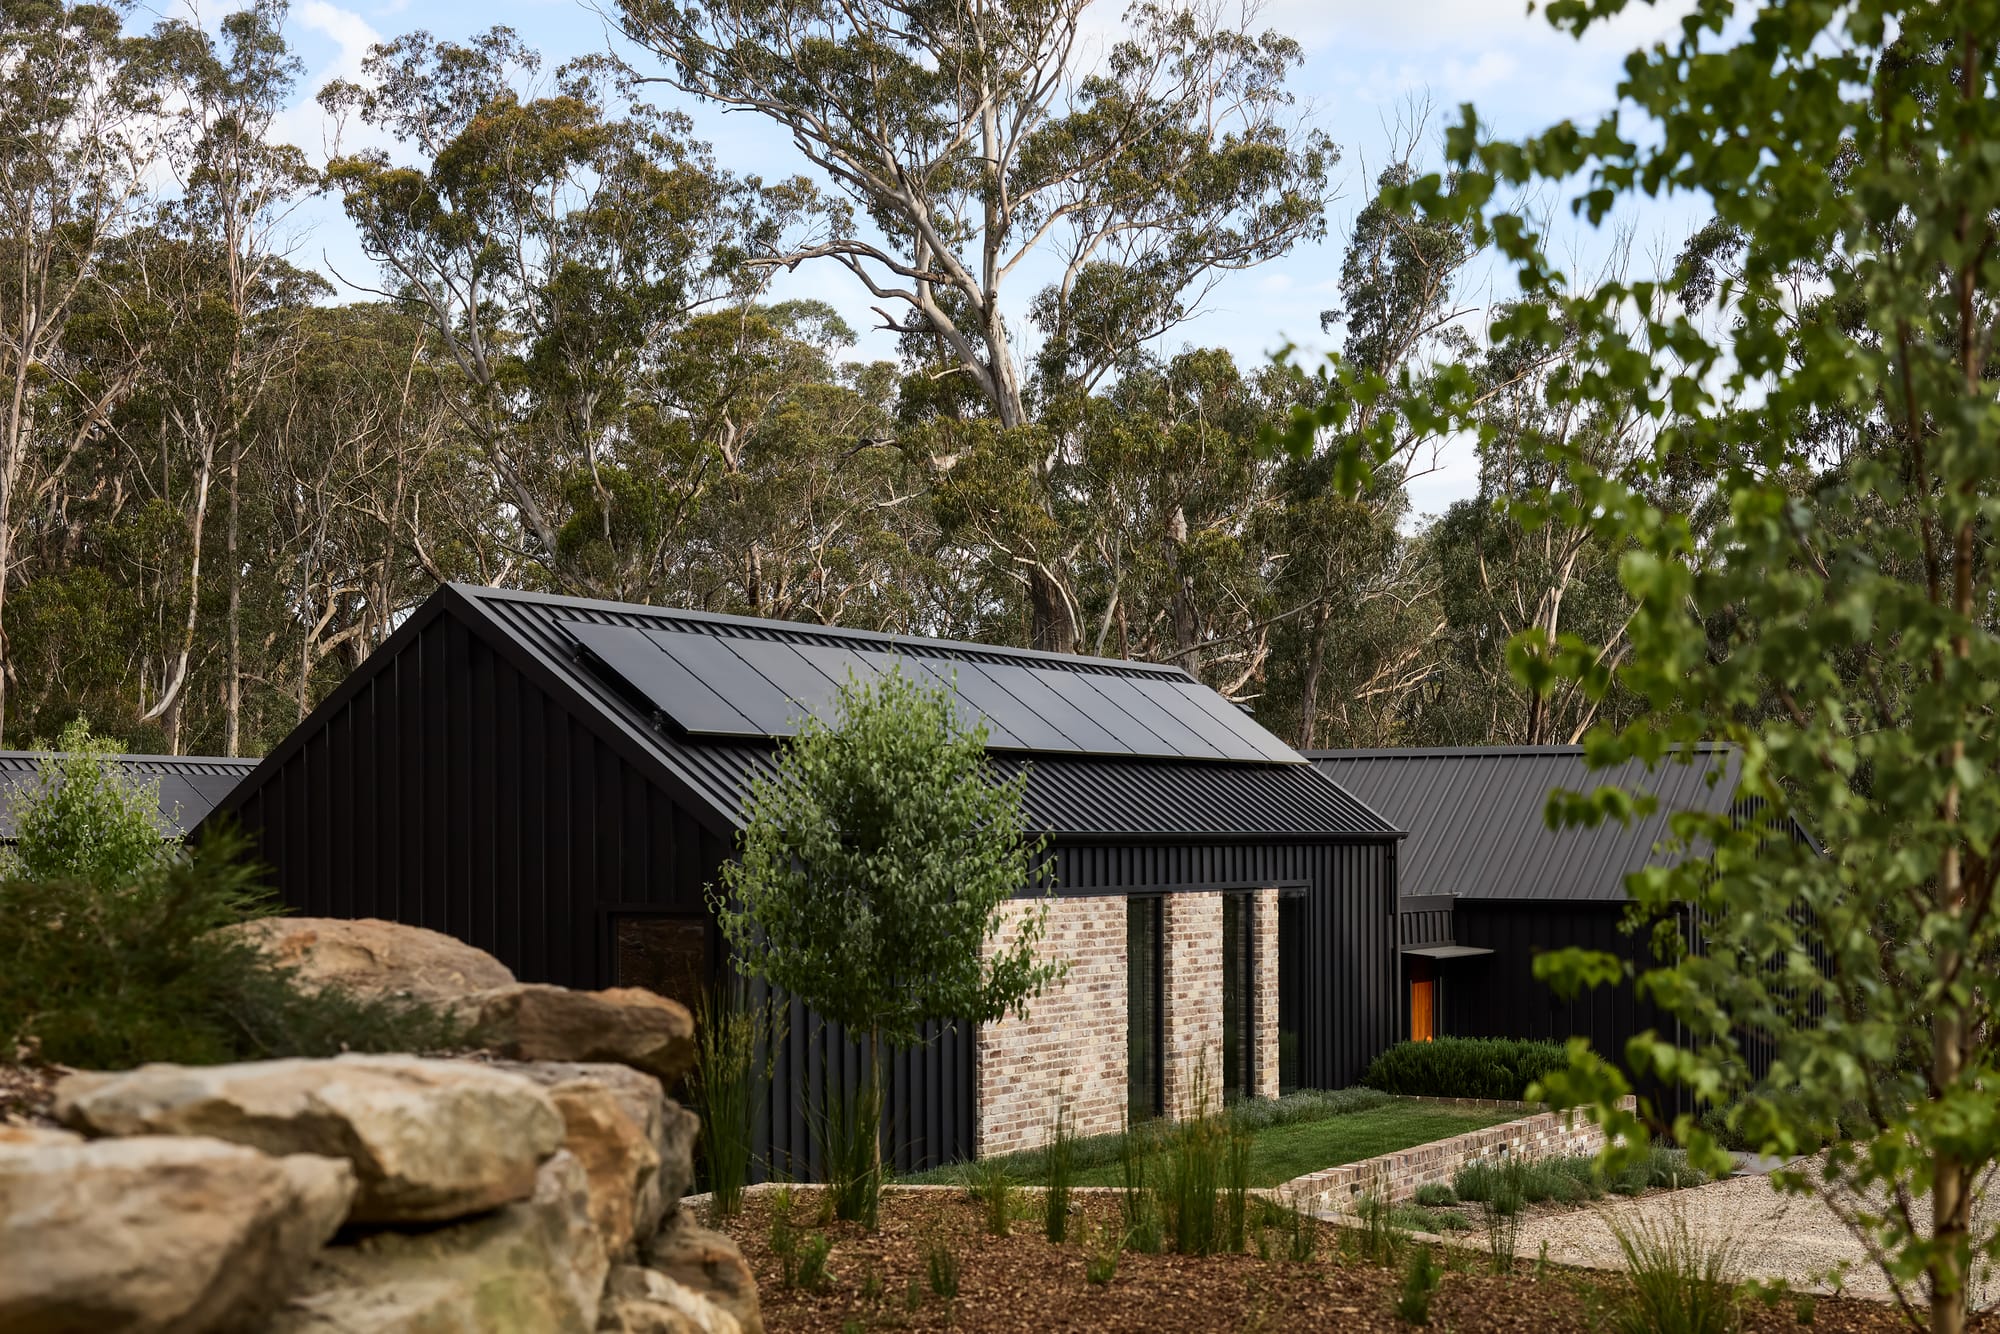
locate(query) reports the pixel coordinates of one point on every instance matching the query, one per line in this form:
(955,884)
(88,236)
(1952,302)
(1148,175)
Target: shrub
(1060,1155)
(730,1038)
(1661,1169)
(1677,1284)
(1435,1195)
(1420,1280)
(812,1253)
(942,1267)
(849,1135)
(109,974)
(993,1190)
(1102,1266)
(1496,1068)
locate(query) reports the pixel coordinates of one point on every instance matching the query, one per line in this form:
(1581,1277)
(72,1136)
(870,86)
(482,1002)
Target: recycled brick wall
(1193,986)
(1396,1176)
(1071,1047)
(1264,996)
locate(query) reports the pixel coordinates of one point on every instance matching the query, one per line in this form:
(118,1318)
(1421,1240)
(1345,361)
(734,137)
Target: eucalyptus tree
(978,149)
(1807,546)
(80,133)
(556,234)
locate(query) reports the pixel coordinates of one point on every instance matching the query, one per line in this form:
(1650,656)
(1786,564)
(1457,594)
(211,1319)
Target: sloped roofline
(874,638)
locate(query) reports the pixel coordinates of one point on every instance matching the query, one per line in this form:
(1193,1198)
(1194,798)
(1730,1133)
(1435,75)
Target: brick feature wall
(1071,1047)
(1264,998)
(1193,986)
(1396,1176)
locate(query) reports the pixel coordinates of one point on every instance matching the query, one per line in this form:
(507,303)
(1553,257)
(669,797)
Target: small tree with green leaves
(1808,544)
(83,817)
(877,862)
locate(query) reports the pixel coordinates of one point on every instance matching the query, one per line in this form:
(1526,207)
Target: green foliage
(1420,1281)
(875,865)
(112,975)
(1102,1266)
(993,1190)
(1804,530)
(941,1267)
(1060,1156)
(1677,1285)
(1435,1195)
(83,818)
(1501,1069)
(812,1253)
(849,1136)
(735,1044)
(1138,1197)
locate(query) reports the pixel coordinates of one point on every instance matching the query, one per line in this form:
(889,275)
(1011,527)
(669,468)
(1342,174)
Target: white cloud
(350,35)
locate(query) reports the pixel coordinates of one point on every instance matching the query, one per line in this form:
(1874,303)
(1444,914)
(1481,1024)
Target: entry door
(1423,1000)
(1239,971)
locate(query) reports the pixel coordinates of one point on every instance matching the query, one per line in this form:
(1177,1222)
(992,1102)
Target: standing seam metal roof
(1068,796)
(1476,816)
(190,785)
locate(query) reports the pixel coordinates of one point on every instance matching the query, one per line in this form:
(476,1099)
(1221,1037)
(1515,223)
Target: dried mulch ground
(1021,1282)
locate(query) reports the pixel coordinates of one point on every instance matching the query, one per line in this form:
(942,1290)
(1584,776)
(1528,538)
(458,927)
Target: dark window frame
(1146,1087)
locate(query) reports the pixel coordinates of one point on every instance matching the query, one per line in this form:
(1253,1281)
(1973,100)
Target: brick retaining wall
(1396,1176)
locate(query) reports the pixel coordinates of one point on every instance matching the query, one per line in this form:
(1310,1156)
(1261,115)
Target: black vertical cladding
(485,810)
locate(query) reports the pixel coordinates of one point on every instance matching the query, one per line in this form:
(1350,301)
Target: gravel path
(1773,1235)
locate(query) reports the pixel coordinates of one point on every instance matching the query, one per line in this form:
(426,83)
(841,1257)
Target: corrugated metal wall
(452,793)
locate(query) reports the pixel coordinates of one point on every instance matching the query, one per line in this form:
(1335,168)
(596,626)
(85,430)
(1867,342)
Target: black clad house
(559,781)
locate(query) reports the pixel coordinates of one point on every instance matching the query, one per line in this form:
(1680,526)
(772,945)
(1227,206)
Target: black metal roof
(189,785)
(1069,796)
(1477,825)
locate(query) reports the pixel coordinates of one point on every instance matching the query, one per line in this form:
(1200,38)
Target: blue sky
(1368,63)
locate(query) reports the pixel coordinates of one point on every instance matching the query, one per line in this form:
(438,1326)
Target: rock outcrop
(710,1264)
(530,1189)
(628,1025)
(428,1140)
(636,1145)
(535,1265)
(370,957)
(156,1234)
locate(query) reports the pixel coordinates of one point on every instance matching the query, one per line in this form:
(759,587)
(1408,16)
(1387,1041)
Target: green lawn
(1283,1152)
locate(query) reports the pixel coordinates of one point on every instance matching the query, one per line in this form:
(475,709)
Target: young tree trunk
(232,738)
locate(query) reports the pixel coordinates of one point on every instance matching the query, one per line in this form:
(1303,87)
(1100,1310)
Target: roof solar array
(713,686)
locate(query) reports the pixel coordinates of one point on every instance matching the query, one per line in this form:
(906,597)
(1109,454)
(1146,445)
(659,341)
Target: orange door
(1423,994)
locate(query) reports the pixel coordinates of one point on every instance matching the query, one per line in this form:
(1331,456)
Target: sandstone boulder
(645,1301)
(629,1025)
(532,1267)
(667,1126)
(156,1234)
(708,1264)
(429,1140)
(374,958)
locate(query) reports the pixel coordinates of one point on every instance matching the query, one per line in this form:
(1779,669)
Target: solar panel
(1196,719)
(1084,735)
(1132,735)
(713,686)
(1242,724)
(1180,739)
(809,689)
(741,686)
(965,710)
(671,687)
(1029,730)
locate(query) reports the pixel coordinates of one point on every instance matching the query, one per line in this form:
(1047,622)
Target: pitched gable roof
(1475,816)
(1071,796)
(190,786)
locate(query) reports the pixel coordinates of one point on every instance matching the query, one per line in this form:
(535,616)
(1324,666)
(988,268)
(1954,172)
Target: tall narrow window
(1145,1073)
(1239,1042)
(1291,991)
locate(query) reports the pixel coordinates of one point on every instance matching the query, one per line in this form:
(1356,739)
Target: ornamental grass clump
(735,1043)
(1060,1157)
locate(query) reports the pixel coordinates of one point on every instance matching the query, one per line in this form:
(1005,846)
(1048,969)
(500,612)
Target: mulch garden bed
(1021,1282)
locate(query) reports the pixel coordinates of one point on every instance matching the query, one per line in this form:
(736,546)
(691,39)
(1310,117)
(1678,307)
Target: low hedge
(1496,1068)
